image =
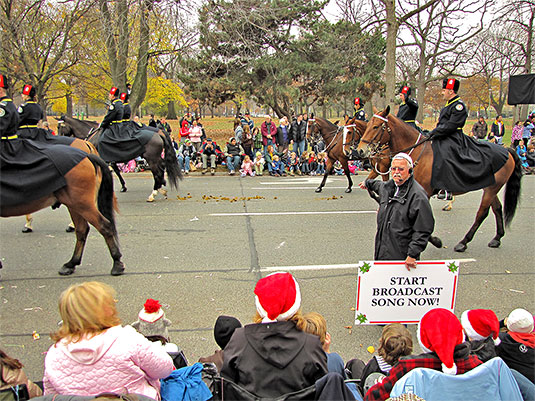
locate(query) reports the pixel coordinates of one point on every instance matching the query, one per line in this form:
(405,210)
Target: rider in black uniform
(111,126)
(30,113)
(408,108)
(9,118)
(127,112)
(359,109)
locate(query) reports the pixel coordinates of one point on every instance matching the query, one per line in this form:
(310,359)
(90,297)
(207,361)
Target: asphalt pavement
(201,251)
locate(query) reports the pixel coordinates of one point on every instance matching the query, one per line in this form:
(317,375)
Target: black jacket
(451,120)
(404,221)
(517,356)
(408,110)
(9,118)
(360,114)
(271,359)
(30,113)
(114,114)
(299,130)
(127,112)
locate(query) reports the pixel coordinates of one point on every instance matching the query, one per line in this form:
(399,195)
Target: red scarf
(528,339)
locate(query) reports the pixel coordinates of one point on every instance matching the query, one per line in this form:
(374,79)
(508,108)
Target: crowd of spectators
(282,351)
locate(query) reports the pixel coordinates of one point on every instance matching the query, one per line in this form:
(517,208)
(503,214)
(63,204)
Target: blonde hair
(396,341)
(86,310)
(297,318)
(316,325)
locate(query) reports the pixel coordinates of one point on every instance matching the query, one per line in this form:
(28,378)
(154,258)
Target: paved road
(201,255)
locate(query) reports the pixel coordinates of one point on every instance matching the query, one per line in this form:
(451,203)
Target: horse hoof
(66,271)
(69,229)
(435,241)
(318,189)
(26,230)
(117,269)
(348,190)
(123,189)
(150,199)
(460,247)
(494,243)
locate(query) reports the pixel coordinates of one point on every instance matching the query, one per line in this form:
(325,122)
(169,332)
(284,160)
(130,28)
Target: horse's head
(377,134)
(313,130)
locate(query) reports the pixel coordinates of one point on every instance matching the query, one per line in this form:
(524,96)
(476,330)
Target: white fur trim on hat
(150,317)
(404,156)
(449,371)
(285,315)
(467,326)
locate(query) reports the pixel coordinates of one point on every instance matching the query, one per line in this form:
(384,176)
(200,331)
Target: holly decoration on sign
(365,268)
(362,318)
(452,267)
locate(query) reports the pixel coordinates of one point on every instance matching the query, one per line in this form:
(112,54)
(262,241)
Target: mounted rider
(30,113)
(9,118)
(111,126)
(127,112)
(359,109)
(408,108)
(460,163)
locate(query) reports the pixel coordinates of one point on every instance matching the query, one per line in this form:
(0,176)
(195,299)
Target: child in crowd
(257,140)
(259,163)
(312,164)
(338,169)
(320,169)
(293,164)
(522,152)
(517,346)
(276,166)
(11,374)
(247,167)
(305,169)
(352,166)
(482,329)
(223,329)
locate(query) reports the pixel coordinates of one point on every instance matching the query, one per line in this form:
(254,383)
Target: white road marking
(329,267)
(292,213)
(271,188)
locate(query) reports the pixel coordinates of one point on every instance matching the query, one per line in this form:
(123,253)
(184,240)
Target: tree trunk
(139,87)
(392,26)
(171,112)
(68,100)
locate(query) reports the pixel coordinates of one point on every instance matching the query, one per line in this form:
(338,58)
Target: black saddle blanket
(41,135)
(31,170)
(462,163)
(122,143)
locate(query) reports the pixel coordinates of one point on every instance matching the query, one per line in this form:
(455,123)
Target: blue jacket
(185,384)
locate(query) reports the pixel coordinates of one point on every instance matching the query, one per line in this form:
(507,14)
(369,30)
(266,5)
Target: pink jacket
(118,360)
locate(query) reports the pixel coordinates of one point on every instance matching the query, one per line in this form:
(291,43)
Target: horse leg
(28,226)
(500,230)
(118,173)
(482,213)
(157,169)
(81,229)
(328,170)
(348,175)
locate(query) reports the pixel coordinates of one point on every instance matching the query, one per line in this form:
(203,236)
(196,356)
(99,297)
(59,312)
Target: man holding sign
(405,218)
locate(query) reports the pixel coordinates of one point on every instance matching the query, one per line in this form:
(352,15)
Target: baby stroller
(141,164)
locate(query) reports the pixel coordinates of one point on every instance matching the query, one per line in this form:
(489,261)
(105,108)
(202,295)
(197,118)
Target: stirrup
(444,195)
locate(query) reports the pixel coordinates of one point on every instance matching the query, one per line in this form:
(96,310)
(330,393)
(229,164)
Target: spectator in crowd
(209,150)
(482,328)
(277,167)
(257,140)
(223,330)
(247,167)
(522,152)
(238,131)
(184,131)
(175,144)
(319,147)
(498,130)
(94,354)
(46,127)
(199,123)
(186,154)
(527,133)
(440,335)
(164,125)
(517,346)
(293,164)
(268,157)
(12,374)
(530,155)
(275,349)
(268,130)
(312,163)
(233,155)
(187,117)
(283,138)
(195,135)
(259,164)
(303,162)
(405,219)
(247,120)
(479,129)
(299,128)
(153,122)
(337,168)
(516,133)
(247,141)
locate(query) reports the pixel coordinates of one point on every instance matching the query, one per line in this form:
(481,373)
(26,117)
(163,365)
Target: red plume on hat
(278,297)
(480,324)
(440,331)
(26,90)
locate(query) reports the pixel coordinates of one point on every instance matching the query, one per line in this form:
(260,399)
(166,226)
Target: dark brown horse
(89,180)
(338,141)
(385,130)
(160,142)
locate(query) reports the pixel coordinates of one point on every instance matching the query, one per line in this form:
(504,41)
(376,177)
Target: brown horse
(160,142)
(89,180)
(385,130)
(338,141)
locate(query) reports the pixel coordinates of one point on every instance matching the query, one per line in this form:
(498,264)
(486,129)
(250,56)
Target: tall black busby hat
(114,91)
(28,90)
(406,90)
(451,83)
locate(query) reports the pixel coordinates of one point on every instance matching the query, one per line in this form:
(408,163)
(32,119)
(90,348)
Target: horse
(89,180)
(384,130)
(337,141)
(159,142)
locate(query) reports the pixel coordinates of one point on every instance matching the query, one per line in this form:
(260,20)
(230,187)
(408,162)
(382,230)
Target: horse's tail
(106,200)
(171,162)
(512,189)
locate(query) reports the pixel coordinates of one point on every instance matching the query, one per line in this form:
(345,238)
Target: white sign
(388,293)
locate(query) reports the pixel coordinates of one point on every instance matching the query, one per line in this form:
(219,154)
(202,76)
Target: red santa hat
(278,297)
(479,324)
(151,312)
(440,331)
